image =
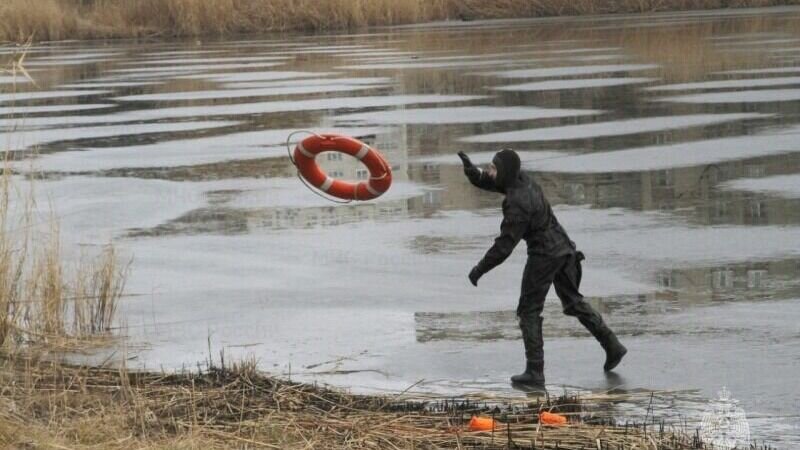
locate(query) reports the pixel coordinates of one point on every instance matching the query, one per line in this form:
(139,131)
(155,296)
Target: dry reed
(67,406)
(81,19)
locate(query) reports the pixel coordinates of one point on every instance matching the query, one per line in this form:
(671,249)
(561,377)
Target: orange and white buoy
(380,174)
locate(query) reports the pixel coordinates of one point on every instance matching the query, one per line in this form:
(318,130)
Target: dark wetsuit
(552,257)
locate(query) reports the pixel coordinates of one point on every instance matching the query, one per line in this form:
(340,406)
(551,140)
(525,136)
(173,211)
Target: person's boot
(532,378)
(614,351)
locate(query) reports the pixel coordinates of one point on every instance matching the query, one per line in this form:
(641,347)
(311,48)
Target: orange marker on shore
(483,424)
(547,418)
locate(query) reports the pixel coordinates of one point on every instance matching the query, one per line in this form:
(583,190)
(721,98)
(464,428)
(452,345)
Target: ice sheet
(569,71)
(193,68)
(425,65)
(38,95)
(787,186)
(720,84)
(465,114)
(685,154)
(23,110)
(22,140)
(243,93)
(178,62)
(258,76)
(611,128)
(754,96)
(578,83)
(294,106)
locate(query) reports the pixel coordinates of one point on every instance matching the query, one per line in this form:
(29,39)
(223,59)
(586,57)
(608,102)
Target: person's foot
(614,351)
(532,378)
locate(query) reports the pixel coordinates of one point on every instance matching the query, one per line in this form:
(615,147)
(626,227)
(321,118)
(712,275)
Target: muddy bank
(45,20)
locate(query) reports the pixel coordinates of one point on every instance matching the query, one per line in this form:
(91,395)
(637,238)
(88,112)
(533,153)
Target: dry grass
(41,300)
(48,404)
(80,19)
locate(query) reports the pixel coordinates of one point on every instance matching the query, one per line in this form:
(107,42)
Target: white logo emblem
(725,424)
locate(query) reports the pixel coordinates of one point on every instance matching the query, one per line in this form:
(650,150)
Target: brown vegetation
(46,404)
(82,19)
(41,300)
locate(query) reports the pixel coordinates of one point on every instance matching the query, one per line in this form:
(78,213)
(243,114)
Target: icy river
(668,144)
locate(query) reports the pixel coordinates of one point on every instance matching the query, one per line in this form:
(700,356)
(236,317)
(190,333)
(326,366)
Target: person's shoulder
(518,201)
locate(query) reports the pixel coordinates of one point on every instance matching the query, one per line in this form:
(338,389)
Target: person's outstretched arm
(476,176)
(512,229)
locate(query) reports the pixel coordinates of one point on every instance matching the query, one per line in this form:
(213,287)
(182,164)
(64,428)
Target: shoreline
(52,404)
(59,20)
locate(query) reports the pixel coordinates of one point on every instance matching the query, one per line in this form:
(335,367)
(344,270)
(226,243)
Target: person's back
(552,259)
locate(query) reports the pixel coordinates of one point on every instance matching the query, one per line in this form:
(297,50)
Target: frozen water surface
(611,128)
(688,209)
(698,153)
(557,85)
(27,95)
(570,71)
(286,106)
(23,110)
(21,140)
(252,92)
(464,114)
(754,96)
(257,76)
(781,185)
(724,84)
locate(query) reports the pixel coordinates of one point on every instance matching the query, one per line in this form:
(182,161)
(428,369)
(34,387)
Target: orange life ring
(380,175)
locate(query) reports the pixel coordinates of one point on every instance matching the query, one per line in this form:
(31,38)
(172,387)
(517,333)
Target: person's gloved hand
(474,276)
(469,169)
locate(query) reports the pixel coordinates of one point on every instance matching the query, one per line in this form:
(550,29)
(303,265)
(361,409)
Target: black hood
(507,163)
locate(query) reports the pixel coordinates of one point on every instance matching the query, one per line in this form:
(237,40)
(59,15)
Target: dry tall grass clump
(77,19)
(41,301)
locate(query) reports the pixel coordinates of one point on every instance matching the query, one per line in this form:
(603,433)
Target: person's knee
(529,313)
(575,308)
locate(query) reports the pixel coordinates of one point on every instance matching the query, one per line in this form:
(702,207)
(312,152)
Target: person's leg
(567,283)
(536,280)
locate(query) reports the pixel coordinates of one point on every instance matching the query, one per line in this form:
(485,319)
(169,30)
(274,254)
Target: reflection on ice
(9,79)
(309,82)
(569,71)
(95,209)
(754,96)
(190,61)
(762,71)
(253,92)
(787,186)
(22,140)
(462,114)
(575,83)
(257,76)
(39,95)
(612,128)
(427,65)
(720,84)
(109,84)
(685,154)
(283,192)
(22,110)
(294,106)
(193,68)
